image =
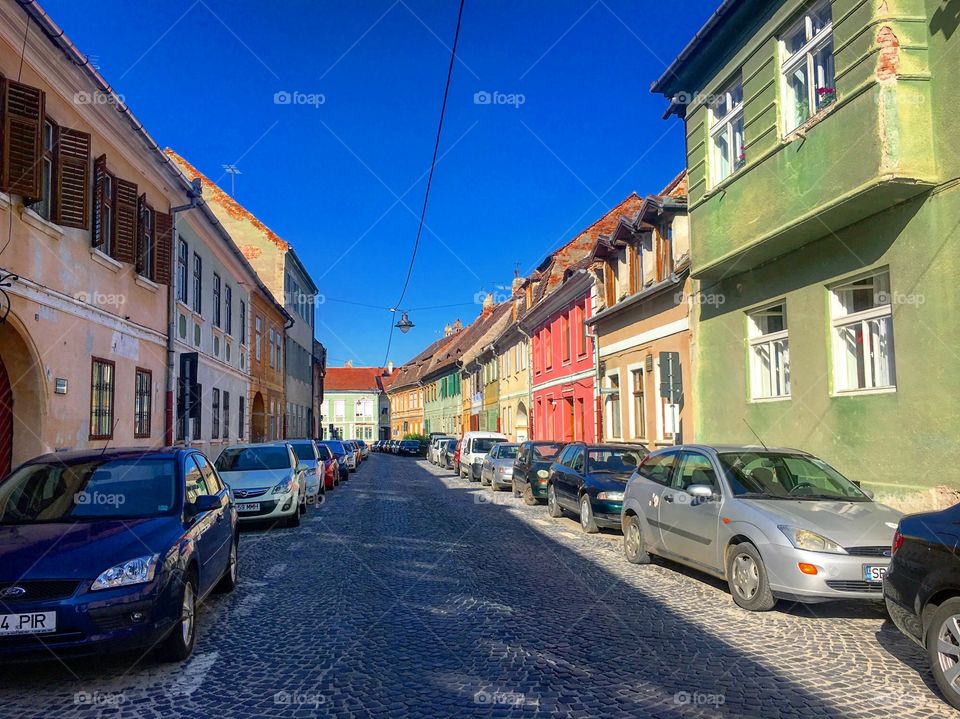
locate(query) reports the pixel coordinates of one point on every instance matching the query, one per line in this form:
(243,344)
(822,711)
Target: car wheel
(553,507)
(747,578)
(943,648)
(294,519)
(634,548)
(528,497)
(228,582)
(587,523)
(178,646)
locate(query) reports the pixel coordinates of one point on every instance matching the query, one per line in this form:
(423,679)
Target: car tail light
(897,541)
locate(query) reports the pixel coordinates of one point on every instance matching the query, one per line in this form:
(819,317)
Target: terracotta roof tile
(366,379)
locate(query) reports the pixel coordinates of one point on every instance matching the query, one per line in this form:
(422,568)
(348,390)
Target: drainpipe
(193,195)
(598,403)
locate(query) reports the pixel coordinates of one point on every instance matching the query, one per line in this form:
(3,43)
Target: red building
(560,294)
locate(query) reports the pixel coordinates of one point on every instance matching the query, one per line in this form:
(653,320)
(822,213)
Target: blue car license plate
(873,573)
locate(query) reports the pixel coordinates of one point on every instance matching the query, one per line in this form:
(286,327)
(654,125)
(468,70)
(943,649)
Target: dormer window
(807,66)
(727,147)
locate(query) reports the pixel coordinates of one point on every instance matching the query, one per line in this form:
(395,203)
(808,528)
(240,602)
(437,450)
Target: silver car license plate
(874,572)
(249,507)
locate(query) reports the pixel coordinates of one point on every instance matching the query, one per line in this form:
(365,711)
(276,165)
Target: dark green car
(531,469)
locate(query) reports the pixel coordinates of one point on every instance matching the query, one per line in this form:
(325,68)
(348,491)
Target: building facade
(85,267)
(512,349)
(353,397)
(642,324)
(300,294)
(265,327)
(823,203)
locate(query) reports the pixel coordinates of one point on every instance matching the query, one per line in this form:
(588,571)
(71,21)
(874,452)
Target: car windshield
(95,489)
(324,452)
(450,445)
(304,450)
(614,461)
(410,443)
(507,451)
(771,475)
(482,445)
(252,459)
(546,451)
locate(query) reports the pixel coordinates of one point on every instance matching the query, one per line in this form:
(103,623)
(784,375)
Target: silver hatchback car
(774,523)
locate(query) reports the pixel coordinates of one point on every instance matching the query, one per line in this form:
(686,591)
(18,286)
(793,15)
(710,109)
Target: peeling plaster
(888,64)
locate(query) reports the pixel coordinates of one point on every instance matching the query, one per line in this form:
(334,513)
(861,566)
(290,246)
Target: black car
(447,448)
(531,469)
(410,448)
(589,479)
(922,591)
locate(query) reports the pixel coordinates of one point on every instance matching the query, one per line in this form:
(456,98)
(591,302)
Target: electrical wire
(433,165)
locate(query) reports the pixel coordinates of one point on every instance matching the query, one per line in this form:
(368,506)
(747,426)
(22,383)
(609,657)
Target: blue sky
(343,179)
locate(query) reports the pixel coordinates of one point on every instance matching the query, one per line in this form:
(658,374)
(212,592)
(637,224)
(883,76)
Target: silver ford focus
(774,523)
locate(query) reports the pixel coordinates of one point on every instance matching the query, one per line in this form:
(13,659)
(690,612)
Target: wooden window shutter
(98,235)
(125,223)
(141,232)
(23,110)
(72,201)
(164,244)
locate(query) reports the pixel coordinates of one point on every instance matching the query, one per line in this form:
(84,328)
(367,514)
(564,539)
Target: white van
(473,449)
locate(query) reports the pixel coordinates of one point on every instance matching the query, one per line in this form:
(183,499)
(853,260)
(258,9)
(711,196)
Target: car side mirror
(867,492)
(303,468)
(700,491)
(203,503)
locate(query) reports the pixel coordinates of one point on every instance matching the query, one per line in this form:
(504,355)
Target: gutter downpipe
(168,410)
(529,381)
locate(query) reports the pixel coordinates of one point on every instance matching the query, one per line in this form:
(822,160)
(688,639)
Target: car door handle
(668,498)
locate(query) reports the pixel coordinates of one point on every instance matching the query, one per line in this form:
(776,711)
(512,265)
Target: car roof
(723,448)
(86,455)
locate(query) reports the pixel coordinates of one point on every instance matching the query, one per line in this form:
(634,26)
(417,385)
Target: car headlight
(542,473)
(283,487)
(811,541)
(611,496)
(134,571)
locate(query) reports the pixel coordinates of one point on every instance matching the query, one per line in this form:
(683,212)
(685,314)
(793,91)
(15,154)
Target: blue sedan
(113,550)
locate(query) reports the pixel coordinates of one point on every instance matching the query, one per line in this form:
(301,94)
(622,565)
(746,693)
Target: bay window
(727,147)
(807,66)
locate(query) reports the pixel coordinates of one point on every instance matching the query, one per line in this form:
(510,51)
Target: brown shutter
(125,221)
(99,173)
(72,202)
(141,232)
(164,245)
(22,108)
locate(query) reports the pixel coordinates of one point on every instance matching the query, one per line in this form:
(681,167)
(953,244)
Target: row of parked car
(775,524)
(404,447)
(115,549)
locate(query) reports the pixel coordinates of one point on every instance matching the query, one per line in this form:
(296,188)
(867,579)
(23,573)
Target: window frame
(217,296)
(215,414)
(44,206)
(815,42)
(94,361)
(228,309)
(863,318)
(757,339)
(197,284)
(634,394)
(724,124)
(608,405)
(142,416)
(183,259)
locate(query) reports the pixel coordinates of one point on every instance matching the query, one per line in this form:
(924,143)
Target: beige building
(512,349)
(86,265)
(642,323)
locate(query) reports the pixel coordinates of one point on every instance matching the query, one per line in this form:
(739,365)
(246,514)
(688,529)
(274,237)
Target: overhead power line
(433,165)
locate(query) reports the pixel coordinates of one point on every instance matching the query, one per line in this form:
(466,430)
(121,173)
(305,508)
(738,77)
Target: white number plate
(874,572)
(28,623)
(249,507)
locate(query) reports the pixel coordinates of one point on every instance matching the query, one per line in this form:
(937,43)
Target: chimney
(457,326)
(389,368)
(488,303)
(448,330)
(348,363)
(516,284)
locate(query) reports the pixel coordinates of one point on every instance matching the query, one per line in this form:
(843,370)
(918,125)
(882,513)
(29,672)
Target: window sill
(863,392)
(768,400)
(147,284)
(184,307)
(105,260)
(48,228)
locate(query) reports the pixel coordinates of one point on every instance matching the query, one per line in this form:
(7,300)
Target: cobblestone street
(414,593)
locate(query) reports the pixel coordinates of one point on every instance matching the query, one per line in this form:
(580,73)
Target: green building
(824,210)
(442,405)
(355,403)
